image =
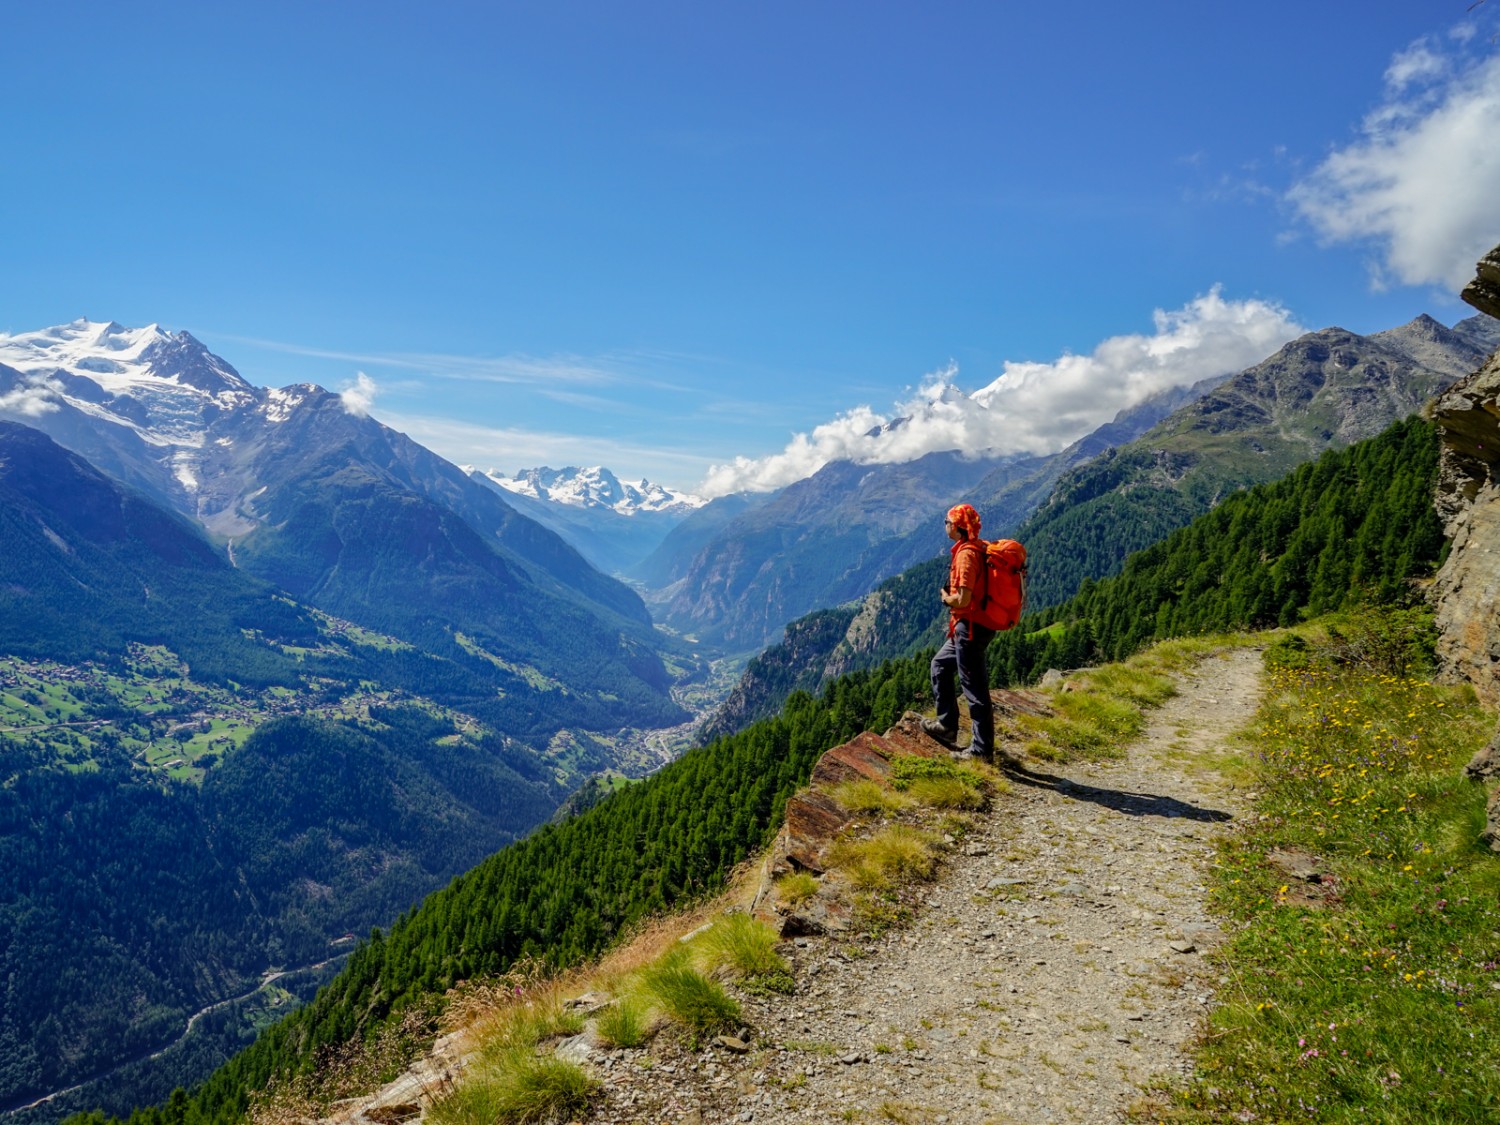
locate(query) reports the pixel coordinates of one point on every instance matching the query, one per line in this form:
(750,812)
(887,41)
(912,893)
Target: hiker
(964,651)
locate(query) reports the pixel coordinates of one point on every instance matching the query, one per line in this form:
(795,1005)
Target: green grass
(796,887)
(688,997)
(909,768)
(1093,724)
(1379,1001)
(946,793)
(1106,707)
(741,944)
(516,1086)
(867,796)
(542,1019)
(625,1023)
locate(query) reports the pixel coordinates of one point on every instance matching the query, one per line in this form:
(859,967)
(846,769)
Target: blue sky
(667,237)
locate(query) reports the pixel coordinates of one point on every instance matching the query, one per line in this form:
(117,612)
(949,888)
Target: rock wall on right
(1466,593)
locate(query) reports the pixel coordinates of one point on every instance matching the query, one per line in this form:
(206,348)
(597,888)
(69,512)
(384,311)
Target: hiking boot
(935,729)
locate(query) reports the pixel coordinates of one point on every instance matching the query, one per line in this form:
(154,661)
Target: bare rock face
(1485,764)
(1467,590)
(1491,833)
(1484,291)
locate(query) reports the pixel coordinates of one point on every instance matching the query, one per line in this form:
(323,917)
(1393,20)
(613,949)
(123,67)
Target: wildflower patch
(1363,980)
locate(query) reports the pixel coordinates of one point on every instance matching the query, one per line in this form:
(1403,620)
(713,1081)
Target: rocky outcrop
(1467,590)
(815,820)
(1484,291)
(1485,764)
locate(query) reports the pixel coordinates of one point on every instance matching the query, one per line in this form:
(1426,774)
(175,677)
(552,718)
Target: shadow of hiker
(1131,804)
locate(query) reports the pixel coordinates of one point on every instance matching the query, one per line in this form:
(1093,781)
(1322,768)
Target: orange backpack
(1001,602)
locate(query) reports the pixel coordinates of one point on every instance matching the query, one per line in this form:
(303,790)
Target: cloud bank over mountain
(33,398)
(1032,407)
(1422,180)
(358,394)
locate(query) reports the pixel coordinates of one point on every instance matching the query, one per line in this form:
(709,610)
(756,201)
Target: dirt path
(1057,968)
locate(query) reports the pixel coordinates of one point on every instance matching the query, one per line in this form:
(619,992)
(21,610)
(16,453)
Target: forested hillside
(203,780)
(1327,389)
(127,903)
(1119,491)
(1355,525)
(903,614)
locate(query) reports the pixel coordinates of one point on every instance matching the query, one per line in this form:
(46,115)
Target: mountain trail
(1056,969)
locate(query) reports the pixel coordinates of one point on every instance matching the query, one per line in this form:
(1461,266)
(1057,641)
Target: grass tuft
(946,793)
(894,856)
(742,945)
(516,1086)
(625,1023)
(796,887)
(868,796)
(688,997)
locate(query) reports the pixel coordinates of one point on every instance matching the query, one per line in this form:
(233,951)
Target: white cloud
(512,449)
(33,399)
(1031,407)
(1422,184)
(620,369)
(359,394)
(1418,63)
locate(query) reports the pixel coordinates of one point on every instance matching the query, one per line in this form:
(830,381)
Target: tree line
(1356,525)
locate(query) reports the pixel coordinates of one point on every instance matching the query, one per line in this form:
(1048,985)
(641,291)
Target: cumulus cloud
(1031,407)
(359,394)
(35,397)
(1421,185)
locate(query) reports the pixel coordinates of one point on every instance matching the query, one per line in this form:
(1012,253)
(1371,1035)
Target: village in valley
(149,707)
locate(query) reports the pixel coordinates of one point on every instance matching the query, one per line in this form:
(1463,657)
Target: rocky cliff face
(1467,590)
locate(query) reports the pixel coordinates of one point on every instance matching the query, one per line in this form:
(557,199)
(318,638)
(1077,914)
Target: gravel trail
(1056,969)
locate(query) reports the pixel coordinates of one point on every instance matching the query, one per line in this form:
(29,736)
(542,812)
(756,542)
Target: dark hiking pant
(963,653)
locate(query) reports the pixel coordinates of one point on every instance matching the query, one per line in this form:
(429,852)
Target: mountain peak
(593,487)
(120,359)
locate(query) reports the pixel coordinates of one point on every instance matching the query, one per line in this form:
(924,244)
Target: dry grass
(796,888)
(894,856)
(346,1071)
(946,793)
(868,796)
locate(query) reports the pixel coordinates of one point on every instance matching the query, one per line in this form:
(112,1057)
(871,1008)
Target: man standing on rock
(964,651)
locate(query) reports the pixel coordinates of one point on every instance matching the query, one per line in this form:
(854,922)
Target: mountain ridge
(311,495)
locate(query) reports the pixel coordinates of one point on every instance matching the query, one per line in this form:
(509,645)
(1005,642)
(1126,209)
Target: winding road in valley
(266,980)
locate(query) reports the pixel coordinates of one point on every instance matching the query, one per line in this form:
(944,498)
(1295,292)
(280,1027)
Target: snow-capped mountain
(595,487)
(301,488)
(612,523)
(154,408)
